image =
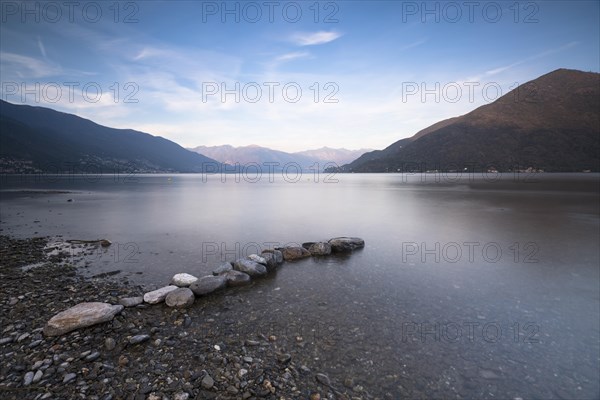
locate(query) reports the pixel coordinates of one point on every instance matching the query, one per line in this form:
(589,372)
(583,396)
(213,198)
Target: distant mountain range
(318,158)
(551,123)
(40,139)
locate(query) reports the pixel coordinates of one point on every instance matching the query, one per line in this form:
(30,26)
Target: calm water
(467,287)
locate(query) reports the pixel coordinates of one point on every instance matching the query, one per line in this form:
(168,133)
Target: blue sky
(382,70)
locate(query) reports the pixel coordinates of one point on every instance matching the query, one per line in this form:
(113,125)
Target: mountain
(260,155)
(41,139)
(252,154)
(551,123)
(337,156)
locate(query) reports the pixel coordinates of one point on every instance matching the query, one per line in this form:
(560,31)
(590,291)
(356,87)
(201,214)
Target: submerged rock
(346,244)
(270,261)
(159,295)
(183,280)
(249,267)
(294,253)
(237,278)
(277,255)
(180,298)
(318,248)
(81,316)
(221,269)
(208,284)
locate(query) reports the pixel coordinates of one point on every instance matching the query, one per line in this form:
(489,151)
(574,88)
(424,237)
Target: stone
(81,316)
(6,340)
(208,284)
(28,378)
(159,295)
(271,263)
(110,344)
(346,244)
(323,379)
(237,278)
(138,339)
(181,396)
(183,280)
(180,298)
(294,253)
(318,248)
(131,301)
(277,254)
(232,389)
(23,337)
(92,357)
(37,377)
(258,259)
(207,382)
(249,267)
(221,269)
(69,377)
(284,358)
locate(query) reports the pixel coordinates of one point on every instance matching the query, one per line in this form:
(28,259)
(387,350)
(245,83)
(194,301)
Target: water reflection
(476,288)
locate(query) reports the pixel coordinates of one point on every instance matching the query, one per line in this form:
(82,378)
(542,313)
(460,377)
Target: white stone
(158,295)
(258,259)
(183,280)
(80,316)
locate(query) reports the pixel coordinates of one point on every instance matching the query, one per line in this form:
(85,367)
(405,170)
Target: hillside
(41,139)
(551,123)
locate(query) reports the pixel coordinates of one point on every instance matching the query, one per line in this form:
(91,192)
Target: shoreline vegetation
(176,351)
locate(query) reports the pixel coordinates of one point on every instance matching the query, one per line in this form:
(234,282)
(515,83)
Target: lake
(471,286)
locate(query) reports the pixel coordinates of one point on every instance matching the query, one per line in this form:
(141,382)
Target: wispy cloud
(315,38)
(532,58)
(27,67)
(292,56)
(42,48)
(413,45)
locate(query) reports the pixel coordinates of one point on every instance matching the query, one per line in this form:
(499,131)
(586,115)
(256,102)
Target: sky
(286,75)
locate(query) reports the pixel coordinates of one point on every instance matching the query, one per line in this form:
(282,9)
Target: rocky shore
(170,350)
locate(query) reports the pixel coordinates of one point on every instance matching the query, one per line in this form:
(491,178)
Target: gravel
(146,351)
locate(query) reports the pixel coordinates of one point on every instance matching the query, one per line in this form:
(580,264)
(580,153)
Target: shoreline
(200,352)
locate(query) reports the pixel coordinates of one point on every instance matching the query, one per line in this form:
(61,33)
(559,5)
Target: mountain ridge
(551,123)
(35,138)
(258,154)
